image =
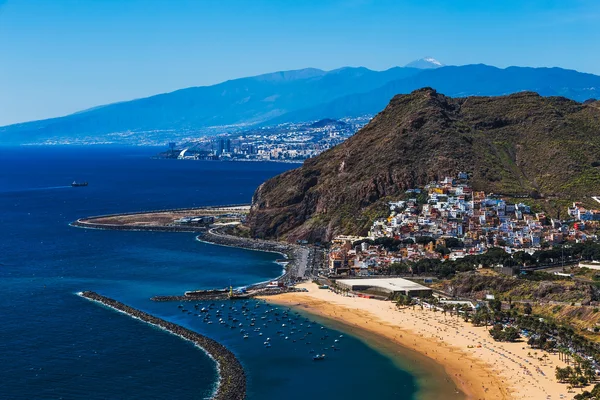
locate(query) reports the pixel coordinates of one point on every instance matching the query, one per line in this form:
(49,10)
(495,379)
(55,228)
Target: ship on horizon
(78,184)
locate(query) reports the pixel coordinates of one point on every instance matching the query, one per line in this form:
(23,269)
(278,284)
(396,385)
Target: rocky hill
(547,147)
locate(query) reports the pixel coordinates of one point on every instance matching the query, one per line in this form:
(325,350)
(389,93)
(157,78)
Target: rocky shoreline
(232,379)
(297,256)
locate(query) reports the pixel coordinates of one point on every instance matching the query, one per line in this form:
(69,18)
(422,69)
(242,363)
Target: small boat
(79,184)
(319,357)
(246,336)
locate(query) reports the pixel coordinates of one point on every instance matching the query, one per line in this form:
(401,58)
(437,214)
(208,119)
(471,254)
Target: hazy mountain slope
(425,63)
(246,100)
(516,144)
(292,96)
(468,80)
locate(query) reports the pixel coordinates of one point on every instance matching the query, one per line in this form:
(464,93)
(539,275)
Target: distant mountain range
(290,96)
(425,63)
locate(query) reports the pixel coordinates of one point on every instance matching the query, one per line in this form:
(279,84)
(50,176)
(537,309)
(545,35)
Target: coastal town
(287,142)
(448,220)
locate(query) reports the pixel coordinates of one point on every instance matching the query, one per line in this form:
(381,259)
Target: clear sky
(61,56)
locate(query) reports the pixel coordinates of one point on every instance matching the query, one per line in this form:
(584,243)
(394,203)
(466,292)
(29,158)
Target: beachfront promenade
(232,379)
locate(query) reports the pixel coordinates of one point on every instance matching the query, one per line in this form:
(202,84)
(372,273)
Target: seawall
(114,227)
(232,379)
(89,222)
(297,256)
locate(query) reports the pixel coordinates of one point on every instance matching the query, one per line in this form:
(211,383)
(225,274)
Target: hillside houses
(448,220)
(579,212)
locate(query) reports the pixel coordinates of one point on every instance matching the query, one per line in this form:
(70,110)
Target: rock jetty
(232,379)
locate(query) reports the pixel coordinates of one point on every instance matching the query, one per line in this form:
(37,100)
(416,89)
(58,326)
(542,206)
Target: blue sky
(61,56)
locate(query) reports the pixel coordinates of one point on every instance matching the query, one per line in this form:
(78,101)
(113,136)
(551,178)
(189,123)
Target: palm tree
(466,309)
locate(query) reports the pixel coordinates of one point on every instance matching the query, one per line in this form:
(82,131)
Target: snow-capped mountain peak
(425,63)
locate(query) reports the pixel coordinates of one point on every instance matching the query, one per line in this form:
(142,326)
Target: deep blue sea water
(56,345)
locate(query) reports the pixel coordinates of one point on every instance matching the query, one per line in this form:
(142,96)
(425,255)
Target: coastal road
(302,262)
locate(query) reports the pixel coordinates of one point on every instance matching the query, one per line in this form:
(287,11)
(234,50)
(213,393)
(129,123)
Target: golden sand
(480,367)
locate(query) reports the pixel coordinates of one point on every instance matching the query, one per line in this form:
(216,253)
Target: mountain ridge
(425,63)
(291,96)
(523,143)
(444,80)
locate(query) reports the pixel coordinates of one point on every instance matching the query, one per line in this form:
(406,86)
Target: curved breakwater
(232,379)
(82,223)
(296,256)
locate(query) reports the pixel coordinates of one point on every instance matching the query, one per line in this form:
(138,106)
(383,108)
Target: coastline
(154,220)
(432,378)
(444,374)
(297,256)
(409,359)
(480,367)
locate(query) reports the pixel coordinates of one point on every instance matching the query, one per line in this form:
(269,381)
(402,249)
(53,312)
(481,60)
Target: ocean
(57,345)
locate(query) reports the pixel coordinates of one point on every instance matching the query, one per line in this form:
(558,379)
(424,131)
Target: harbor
(247,311)
(269,324)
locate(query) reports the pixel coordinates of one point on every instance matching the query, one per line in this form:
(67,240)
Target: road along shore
(232,379)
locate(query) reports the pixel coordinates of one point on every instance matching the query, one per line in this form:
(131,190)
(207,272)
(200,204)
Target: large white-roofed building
(386,286)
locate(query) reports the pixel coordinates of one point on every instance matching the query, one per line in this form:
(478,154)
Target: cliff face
(517,144)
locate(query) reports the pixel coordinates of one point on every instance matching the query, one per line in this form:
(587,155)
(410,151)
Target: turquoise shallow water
(54,344)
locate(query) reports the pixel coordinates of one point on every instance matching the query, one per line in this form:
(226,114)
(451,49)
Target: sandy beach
(480,367)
